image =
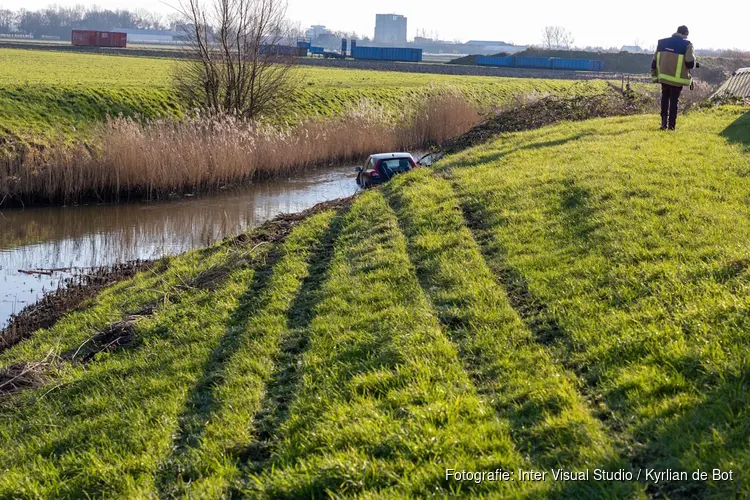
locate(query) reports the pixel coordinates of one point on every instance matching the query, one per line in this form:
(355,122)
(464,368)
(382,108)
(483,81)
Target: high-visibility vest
(672,49)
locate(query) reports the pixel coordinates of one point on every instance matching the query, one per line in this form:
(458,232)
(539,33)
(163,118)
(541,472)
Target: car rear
(381,168)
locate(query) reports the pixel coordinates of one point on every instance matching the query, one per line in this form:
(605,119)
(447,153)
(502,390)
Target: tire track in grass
(281,387)
(218,417)
(383,406)
(535,315)
(103,429)
(642,260)
(507,359)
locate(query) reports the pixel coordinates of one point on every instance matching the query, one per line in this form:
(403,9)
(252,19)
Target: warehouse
(149,36)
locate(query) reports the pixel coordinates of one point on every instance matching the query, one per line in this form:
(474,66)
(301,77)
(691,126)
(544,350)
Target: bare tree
(237,63)
(7,20)
(556,37)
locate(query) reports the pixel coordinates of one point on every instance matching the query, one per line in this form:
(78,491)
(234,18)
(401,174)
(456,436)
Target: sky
(592,23)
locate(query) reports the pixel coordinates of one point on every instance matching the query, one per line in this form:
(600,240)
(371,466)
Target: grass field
(572,297)
(45,94)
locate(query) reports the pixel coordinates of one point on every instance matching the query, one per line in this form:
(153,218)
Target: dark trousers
(670,96)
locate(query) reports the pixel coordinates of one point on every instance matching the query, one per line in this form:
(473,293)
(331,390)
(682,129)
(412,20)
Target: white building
(148,36)
(316,30)
(390,28)
(634,49)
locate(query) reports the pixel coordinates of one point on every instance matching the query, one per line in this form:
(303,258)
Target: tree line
(57,21)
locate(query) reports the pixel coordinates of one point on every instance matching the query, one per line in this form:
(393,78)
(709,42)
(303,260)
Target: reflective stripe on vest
(677,78)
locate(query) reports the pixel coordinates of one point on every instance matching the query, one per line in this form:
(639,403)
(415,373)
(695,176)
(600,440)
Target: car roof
(384,156)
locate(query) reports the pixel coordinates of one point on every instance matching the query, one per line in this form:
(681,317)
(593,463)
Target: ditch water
(73,239)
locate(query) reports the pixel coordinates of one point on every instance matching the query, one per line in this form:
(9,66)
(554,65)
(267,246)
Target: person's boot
(663,123)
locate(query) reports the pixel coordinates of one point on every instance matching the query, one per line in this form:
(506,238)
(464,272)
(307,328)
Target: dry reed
(201,154)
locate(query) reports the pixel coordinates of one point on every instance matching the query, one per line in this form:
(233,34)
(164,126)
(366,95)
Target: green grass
(573,297)
(636,242)
(47,95)
(535,392)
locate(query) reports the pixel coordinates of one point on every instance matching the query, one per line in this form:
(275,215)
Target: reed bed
(200,154)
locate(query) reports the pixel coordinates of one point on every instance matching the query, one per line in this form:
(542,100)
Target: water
(75,238)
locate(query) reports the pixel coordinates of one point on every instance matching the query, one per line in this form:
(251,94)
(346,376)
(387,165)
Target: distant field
(47,93)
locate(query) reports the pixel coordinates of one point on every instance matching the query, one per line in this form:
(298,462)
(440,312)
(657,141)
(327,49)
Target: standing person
(671,67)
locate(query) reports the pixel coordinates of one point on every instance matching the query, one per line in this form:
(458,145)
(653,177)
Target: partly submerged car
(382,167)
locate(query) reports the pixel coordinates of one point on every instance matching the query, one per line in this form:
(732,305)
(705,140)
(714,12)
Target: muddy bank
(77,290)
(99,236)
(72,293)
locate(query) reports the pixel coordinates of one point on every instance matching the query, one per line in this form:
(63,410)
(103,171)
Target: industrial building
(317,30)
(390,28)
(633,49)
(492,47)
(149,36)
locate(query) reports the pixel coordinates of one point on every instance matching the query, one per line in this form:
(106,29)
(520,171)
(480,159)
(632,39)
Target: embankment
(573,297)
(526,117)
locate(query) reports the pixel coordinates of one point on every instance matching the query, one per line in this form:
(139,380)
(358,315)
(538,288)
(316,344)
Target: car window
(397,164)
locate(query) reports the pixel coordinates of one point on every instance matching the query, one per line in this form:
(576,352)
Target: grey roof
(486,42)
(738,84)
(133,31)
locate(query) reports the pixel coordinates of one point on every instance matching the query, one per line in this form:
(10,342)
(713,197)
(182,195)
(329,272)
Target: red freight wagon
(99,38)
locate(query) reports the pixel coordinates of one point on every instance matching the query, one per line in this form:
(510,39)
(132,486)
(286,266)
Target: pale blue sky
(722,25)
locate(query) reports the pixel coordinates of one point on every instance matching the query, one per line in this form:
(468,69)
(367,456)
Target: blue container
(598,65)
(387,54)
(534,62)
(317,50)
(506,62)
(364,53)
(573,64)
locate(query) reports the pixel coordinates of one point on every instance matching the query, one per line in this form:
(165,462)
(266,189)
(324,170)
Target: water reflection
(94,236)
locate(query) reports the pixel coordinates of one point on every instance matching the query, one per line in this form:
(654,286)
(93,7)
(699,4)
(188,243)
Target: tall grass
(202,154)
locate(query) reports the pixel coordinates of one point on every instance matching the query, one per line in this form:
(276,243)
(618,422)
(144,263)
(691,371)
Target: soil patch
(277,229)
(114,336)
(546,112)
(21,376)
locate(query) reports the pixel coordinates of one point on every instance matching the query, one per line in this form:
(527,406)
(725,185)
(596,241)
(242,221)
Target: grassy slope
(634,244)
(570,297)
(47,93)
